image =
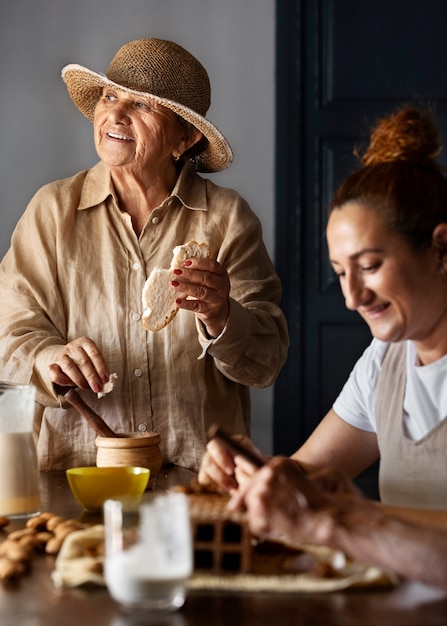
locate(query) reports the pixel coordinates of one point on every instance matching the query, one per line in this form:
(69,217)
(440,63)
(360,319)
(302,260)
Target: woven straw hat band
(164,69)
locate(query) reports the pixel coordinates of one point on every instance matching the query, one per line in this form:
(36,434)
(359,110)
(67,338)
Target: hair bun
(408,134)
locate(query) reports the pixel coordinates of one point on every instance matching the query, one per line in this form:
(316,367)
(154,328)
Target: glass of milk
(19,476)
(149,555)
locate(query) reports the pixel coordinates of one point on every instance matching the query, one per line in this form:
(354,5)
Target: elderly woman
(387,239)
(71,284)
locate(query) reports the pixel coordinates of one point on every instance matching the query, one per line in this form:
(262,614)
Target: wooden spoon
(94,420)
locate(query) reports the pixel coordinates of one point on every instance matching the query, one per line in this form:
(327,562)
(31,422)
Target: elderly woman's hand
(207,285)
(79,364)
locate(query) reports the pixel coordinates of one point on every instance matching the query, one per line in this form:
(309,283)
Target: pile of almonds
(44,533)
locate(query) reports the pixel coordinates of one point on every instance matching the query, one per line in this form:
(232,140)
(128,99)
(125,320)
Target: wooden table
(35,601)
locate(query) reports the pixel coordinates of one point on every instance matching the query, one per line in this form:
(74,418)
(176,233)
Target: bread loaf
(159,306)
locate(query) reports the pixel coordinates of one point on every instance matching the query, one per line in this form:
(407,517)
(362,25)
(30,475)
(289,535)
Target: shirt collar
(97,187)
(190,188)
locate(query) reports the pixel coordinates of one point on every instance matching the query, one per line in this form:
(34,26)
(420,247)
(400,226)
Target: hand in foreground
(79,364)
(282,502)
(207,285)
(220,465)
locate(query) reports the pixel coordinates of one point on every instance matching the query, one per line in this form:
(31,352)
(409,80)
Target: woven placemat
(371,577)
(269,574)
(305,568)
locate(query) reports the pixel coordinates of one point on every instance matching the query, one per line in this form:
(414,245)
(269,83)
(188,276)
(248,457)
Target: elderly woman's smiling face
(132,131)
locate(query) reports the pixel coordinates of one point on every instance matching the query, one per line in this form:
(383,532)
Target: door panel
(341,64)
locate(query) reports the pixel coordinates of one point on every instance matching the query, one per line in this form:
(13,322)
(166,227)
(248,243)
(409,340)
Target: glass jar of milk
(149,555)
(19,476)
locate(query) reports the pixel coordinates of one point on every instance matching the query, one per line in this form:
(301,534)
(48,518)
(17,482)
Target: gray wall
(44,137)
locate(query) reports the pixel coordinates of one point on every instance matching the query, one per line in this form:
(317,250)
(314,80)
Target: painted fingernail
(178,272)
(175,283)
(187,263)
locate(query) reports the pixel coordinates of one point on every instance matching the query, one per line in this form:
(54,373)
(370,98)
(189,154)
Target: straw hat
(167,74)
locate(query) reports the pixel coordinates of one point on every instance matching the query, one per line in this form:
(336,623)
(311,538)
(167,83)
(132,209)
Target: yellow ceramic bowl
(92,486)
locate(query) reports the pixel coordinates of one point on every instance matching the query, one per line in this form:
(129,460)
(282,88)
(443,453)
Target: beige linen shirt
(76,268)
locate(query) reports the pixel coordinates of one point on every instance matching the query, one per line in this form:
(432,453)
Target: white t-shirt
(425,400)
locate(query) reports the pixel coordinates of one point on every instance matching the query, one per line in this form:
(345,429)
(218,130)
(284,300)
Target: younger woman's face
(394,289)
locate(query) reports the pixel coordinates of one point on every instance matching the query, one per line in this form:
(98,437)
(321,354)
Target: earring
(177,158)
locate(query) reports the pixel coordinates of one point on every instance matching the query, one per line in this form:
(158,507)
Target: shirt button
(155,220)
(137,372)
(142,428)
(136,317)
(136,265)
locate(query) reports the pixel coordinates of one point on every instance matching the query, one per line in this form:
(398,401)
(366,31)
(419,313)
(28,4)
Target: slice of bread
(159,307)
(190,250)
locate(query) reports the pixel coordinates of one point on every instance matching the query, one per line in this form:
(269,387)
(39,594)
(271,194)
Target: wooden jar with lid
(130,449)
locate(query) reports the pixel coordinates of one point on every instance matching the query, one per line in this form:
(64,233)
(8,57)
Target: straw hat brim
(85,87)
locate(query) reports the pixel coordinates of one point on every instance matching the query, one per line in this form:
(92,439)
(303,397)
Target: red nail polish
(178,272)
(187,263)
(175,283)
